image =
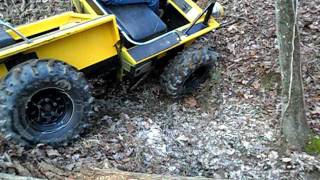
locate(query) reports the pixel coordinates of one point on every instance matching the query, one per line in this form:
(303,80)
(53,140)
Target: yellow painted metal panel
(193,12)
(125,55)
(88,42)
(82,49)
(77,5)
(3,70)
(51,23)
(87,8)
(82,6)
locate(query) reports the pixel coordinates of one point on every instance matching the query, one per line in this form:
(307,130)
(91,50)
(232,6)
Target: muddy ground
(228,129)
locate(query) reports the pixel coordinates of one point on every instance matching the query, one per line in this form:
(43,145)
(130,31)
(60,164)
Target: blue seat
(137,20)
(5,39)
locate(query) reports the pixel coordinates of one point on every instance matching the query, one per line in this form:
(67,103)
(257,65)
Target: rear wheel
(188,71)
(44,101)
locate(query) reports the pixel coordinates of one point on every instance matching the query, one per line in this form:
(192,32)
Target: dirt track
(229,129)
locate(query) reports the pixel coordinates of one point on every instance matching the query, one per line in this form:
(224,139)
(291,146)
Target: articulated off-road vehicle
(44,95)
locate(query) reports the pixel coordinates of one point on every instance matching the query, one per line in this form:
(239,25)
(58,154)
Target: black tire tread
(185,63)
(13,80)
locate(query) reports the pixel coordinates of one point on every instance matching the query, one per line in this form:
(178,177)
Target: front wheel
(188,71)
(43,101)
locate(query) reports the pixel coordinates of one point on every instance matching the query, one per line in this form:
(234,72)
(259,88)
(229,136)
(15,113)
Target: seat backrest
(5,38)
(137,20)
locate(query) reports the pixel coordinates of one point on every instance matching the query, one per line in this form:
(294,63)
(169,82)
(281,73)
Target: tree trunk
(294,124)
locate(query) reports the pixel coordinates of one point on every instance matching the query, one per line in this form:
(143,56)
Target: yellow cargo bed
(80,40)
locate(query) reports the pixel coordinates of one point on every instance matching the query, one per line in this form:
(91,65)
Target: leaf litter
(228,129)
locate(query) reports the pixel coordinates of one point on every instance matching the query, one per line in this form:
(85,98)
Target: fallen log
(106,174)
(4,176)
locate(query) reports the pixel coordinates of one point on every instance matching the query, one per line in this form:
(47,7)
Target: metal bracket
(8,25)
(207,10)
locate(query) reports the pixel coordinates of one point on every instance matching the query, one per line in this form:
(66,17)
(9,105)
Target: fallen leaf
(53,153)
(190,102)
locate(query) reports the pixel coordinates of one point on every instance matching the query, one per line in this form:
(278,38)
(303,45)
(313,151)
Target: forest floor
(228,129)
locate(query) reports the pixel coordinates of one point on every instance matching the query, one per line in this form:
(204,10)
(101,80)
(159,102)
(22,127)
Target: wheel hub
(49,109)
(196,78)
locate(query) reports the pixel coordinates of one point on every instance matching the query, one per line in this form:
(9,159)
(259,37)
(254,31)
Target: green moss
(269,81)
(313,146)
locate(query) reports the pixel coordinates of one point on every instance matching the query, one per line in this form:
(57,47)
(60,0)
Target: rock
(231,151)
(70,167)
(172,168)
(183,138)
(273,155)
(269,135)
(106,164)
(286,159)
(75,157)
(124,116)
(106,118)
(53,153)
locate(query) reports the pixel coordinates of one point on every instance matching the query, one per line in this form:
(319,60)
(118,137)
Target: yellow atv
(44,95)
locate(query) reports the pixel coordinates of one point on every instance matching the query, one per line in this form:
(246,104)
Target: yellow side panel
(64,31)
(87,8)
(82,6)
(77,5)
(125,55)
(193,12)
(3,70)
(82,49)
(50,23)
